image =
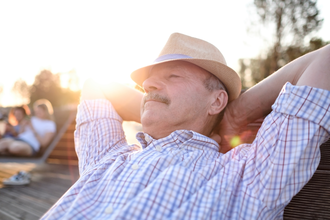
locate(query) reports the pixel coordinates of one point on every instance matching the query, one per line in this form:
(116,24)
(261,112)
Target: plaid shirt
(183,176)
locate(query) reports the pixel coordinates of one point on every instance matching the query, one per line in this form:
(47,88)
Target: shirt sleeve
(98,133)
(285,153)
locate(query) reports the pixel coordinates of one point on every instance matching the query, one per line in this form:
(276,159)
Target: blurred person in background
(17,119)
(30,137)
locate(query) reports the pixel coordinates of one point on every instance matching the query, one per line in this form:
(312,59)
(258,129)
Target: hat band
(171,57)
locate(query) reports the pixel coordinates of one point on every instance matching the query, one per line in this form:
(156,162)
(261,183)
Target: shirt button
(158,148)
(135,166)
(147,138)
(108,210)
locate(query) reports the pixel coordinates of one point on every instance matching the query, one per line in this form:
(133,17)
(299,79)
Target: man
(179,173)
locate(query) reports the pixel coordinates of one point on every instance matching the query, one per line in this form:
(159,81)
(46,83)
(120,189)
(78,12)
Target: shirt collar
(186,139)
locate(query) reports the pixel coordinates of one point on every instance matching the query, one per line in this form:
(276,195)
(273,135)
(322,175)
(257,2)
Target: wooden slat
(64,152)
(5,215)
(49,182)
(65,144)
(64,149)
(68,136)
(325,156)
(313,201)
(62,161)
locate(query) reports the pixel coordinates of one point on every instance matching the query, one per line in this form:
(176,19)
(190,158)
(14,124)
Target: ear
(220,100)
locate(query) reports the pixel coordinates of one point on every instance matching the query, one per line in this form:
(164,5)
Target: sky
(107,40)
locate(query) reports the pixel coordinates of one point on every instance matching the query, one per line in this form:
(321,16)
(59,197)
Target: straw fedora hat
(198,52)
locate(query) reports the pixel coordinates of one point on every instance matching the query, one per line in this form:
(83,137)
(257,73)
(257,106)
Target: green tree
(47,85)
(254,70)
(293,19)
(22,89)
(292,22)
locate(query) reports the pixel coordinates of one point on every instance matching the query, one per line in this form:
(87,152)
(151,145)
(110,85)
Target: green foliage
(295,17)
(47,86)
(293,21)
(254,70)
(22,89)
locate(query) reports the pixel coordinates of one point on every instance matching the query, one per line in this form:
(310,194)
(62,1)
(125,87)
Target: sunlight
(104,74)
(235,141)
(113,40)
(105,78)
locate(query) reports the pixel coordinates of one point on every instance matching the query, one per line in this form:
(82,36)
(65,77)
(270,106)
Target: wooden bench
(64,152)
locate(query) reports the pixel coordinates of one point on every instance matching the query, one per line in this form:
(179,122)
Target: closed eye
(174,76)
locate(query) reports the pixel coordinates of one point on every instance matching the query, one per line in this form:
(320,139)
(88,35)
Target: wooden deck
(48,183)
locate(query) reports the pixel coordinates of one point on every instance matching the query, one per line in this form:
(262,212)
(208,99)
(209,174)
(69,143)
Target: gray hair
(212,83)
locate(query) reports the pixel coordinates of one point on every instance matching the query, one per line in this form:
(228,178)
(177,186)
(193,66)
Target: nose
(152,83)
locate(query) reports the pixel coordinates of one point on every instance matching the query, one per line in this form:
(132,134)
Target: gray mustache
(156,97)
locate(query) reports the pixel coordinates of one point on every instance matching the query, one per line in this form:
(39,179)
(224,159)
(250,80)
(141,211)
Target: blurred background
(49,48)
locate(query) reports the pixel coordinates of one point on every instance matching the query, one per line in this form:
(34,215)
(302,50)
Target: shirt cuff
(305,102)
(89,110)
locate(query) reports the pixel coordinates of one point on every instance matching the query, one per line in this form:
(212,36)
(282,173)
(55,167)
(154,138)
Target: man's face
(175,98)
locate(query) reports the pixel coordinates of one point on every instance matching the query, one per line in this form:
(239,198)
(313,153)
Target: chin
(149,117)
(149,126)
(147,123)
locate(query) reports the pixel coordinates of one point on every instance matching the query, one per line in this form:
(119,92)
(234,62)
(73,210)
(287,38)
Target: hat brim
(227,76)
